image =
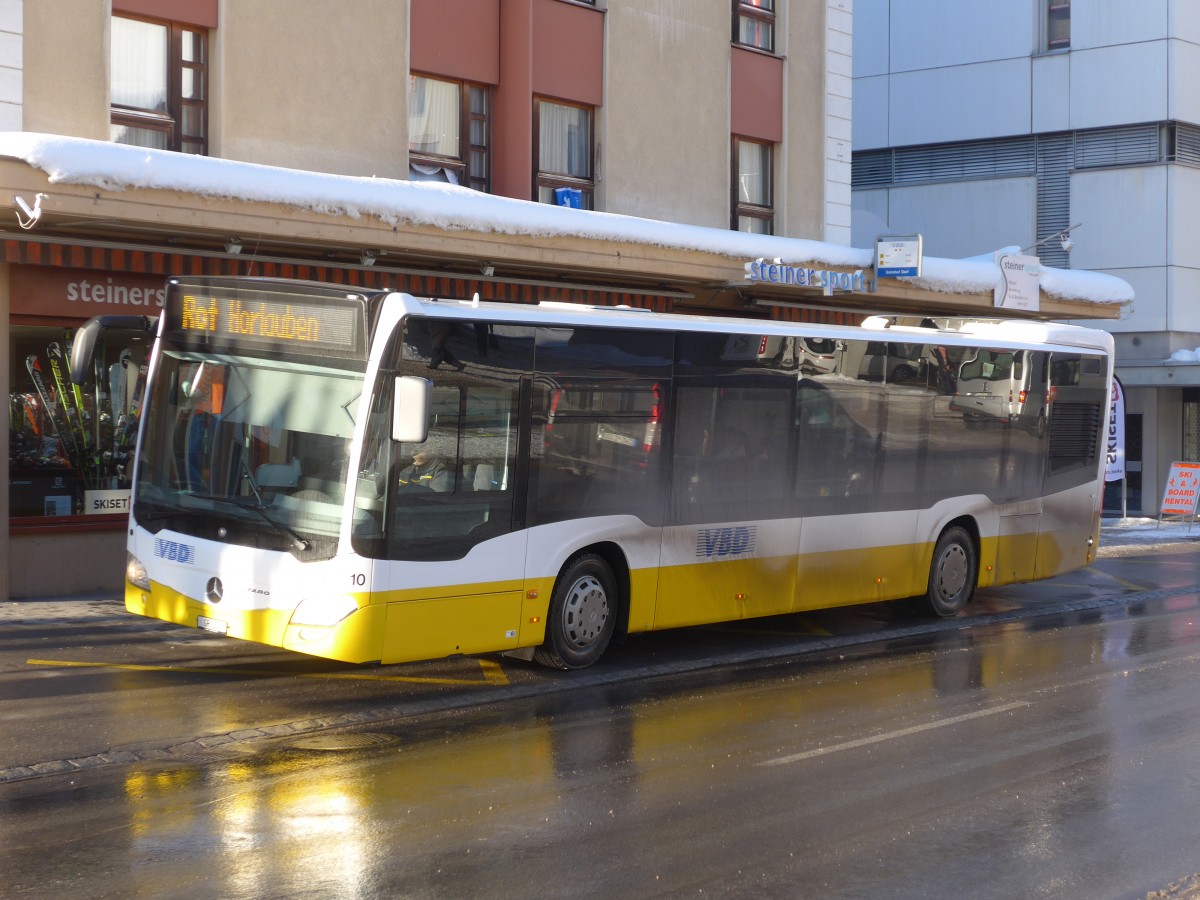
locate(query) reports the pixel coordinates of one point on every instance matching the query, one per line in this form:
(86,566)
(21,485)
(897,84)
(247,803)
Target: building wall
(66,74)
(1125,229)
(5,389)
(326,91)
(11,63)
(666,71)
(981,63)
(312,91)
(42,572)
(956,219)
(660,153)
(834,19)
(944,73)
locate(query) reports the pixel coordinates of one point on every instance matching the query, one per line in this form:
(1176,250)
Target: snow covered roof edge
(116,167)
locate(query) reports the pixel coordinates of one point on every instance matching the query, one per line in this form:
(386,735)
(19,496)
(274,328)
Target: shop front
(71,446)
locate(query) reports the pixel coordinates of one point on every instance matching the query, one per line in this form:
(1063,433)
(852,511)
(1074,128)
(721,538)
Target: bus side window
(836,454)
(732,449)
(439,499)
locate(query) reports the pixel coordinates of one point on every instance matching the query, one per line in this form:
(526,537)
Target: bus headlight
(324,611)
(136,574)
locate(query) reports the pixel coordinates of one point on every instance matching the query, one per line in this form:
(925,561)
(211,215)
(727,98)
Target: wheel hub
(952,571)
(585,611)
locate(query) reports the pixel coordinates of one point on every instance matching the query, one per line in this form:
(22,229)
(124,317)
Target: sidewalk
(1122,537)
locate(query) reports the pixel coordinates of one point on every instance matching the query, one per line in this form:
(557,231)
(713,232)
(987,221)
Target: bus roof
(1006,332)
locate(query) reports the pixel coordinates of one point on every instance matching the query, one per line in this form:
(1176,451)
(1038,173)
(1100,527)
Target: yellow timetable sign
(269,321)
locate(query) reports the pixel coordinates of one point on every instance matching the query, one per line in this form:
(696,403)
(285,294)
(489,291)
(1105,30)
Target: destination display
(274,321)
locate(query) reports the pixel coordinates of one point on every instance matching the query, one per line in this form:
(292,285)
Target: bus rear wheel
(952,574)
(583,614)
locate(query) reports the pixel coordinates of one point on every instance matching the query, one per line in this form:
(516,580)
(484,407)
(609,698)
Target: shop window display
(70,446)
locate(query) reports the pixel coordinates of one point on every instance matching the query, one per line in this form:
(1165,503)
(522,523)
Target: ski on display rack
(118,411)
(70,398)
(61,430)
(129,431)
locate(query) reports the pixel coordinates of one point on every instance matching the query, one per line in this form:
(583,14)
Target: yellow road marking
(492,672)
(1128,584)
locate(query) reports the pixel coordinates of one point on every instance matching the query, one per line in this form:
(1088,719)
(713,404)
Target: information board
(1183,487)
(1020,282)
(898,256)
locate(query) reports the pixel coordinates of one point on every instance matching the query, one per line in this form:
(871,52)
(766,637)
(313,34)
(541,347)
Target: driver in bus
(427,472)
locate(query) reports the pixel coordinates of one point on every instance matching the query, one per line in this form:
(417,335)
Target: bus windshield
(247,451)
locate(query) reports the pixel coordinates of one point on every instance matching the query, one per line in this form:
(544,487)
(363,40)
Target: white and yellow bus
(371,477)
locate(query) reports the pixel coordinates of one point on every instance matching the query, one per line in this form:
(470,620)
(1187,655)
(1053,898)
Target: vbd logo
(174,552)
(728,541)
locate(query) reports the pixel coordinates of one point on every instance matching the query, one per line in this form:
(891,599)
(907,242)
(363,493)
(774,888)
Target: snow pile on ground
(1120,532)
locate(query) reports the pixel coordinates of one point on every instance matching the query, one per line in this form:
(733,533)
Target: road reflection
(1022,753)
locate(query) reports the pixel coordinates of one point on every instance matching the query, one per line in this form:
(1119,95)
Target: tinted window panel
(596,449)
(733,449)
(840,420)
(613,353)
(596,444)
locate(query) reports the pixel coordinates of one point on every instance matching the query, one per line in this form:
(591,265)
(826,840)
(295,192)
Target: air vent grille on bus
(1074,434)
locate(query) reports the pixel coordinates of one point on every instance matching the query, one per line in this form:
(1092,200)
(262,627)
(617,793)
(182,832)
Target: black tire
(583,614)
(952,573)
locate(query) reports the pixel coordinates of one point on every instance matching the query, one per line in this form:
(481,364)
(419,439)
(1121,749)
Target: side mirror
(410,413)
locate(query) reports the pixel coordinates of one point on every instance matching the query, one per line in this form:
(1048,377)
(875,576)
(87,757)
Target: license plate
(617,438)
(216,626)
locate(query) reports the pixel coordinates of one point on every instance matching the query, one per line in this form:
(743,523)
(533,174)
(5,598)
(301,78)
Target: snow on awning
(118,167)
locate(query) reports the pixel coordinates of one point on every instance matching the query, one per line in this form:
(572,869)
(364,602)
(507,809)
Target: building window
(1058,24)
(754,23)
(564,153)
(449,129)
(159,78)
(753,206)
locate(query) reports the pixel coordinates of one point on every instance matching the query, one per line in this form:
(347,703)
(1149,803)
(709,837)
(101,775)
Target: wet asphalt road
(84,683)
(1046,749)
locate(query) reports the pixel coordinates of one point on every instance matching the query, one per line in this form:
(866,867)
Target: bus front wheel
(952,574)
(583,614)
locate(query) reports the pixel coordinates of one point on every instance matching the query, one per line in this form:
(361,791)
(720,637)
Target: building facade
(725,114)
(719,118)
(1070,128)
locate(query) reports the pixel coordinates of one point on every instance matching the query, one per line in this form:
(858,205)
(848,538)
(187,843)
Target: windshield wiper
(298,542)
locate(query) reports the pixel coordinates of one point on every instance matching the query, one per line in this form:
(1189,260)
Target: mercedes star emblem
(214,590)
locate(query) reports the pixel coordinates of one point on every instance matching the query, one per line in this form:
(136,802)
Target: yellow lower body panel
(356,639)
(1015,555)
(430,629)
(845,577)
(721,591)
